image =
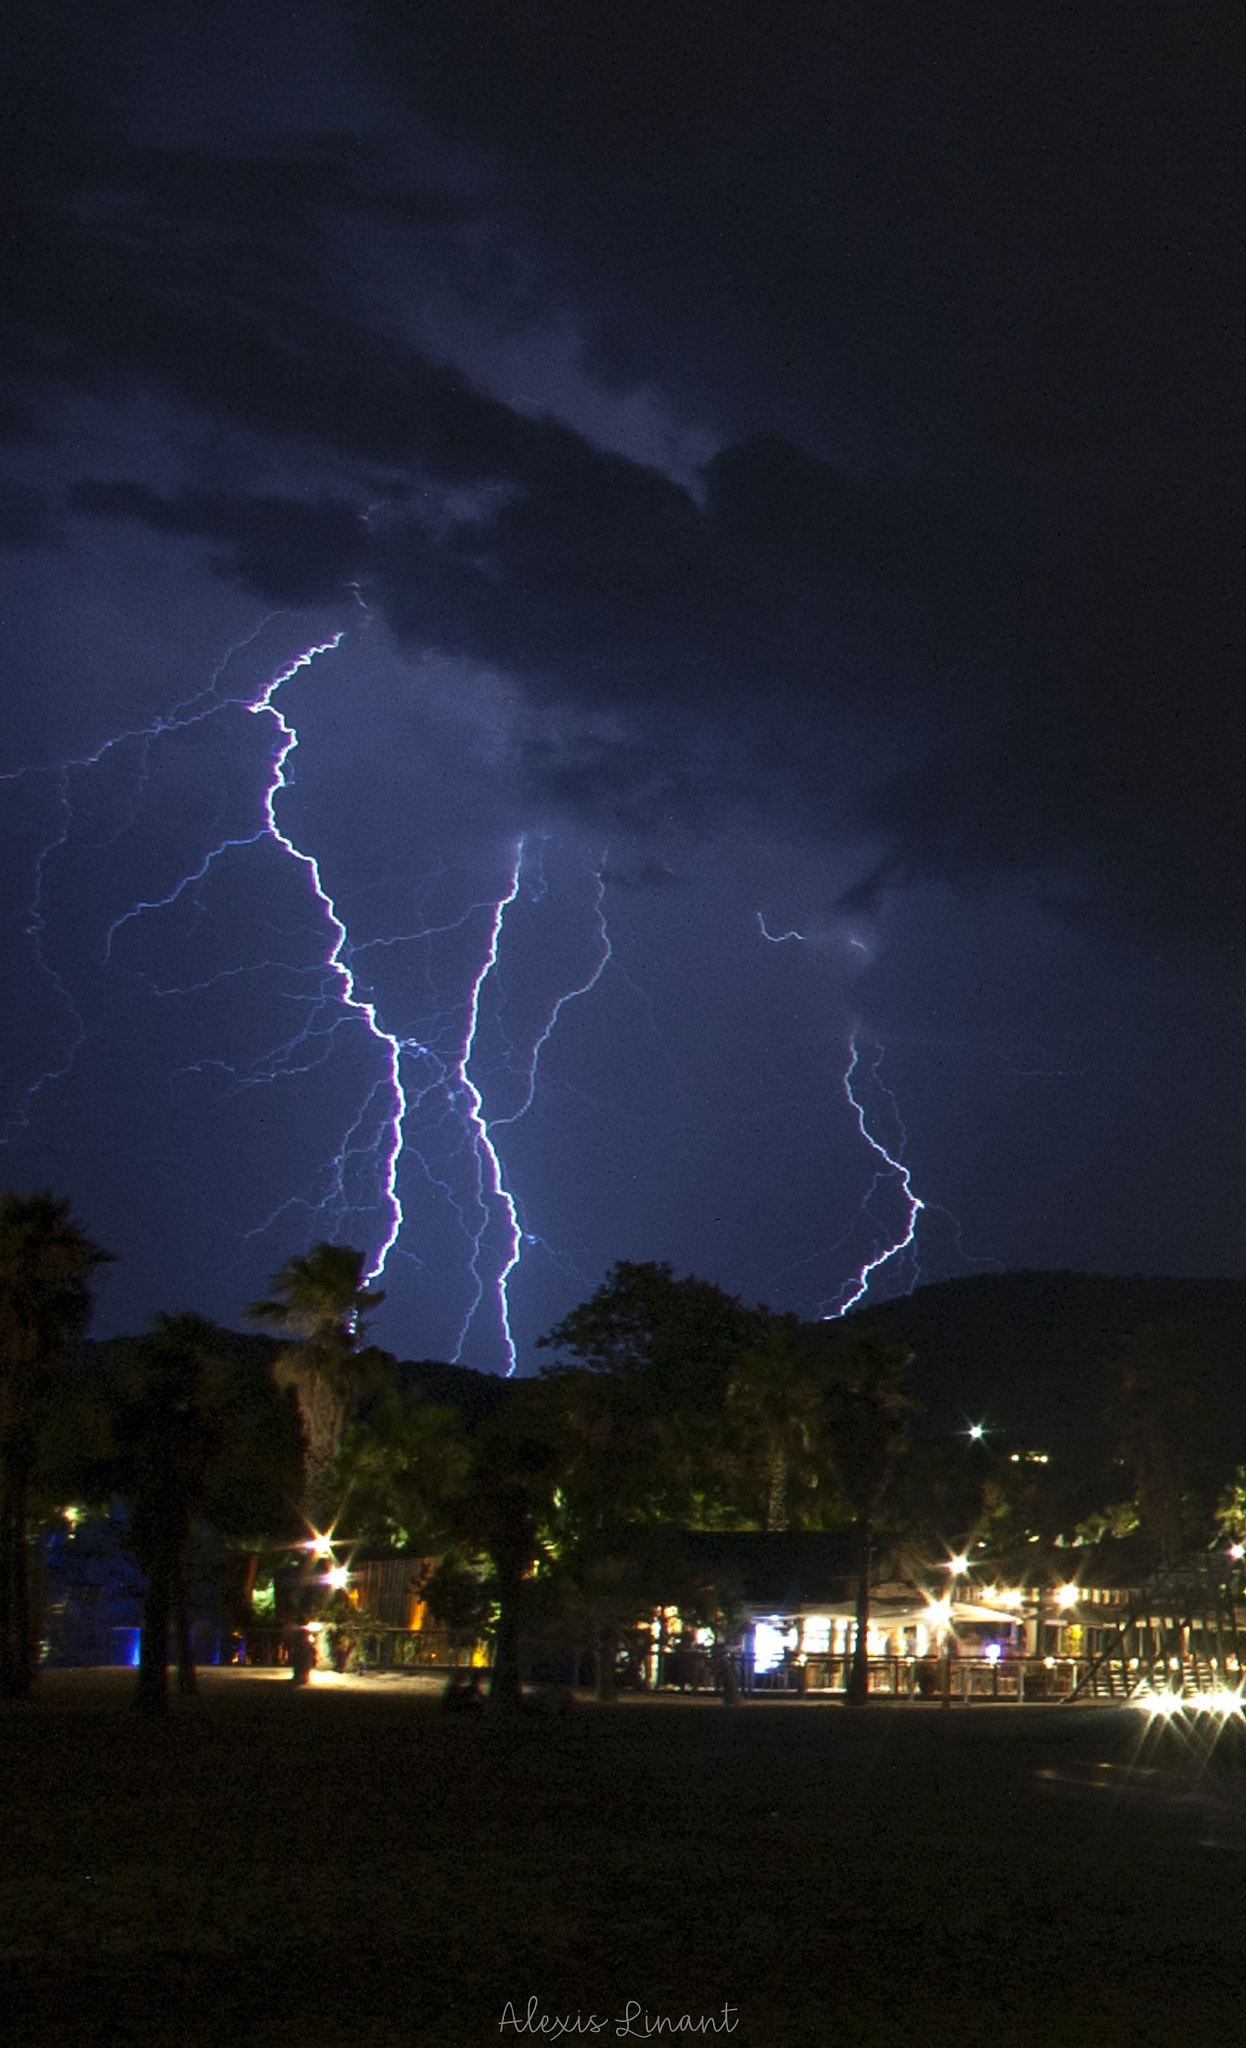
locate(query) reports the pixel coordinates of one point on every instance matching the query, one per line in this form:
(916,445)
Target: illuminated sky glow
(642,665)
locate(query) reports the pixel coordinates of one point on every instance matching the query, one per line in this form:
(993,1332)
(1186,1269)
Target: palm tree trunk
(607,1662)
(152,1696)
(776,1492)
(858,1688)
(15,1668)
(186,1679)
(8,1562)
(505,1689)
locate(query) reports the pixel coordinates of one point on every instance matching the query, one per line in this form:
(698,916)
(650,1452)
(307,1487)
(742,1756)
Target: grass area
(351,1864)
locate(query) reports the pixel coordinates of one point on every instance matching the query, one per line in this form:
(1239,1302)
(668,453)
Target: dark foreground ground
(352,1864)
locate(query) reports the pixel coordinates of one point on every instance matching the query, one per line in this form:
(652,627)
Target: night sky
(766,489)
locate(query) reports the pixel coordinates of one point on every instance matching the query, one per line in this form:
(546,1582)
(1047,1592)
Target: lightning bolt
(426,1100)
(204,704)
(891,1168)
(334,1002)
(491,1182)
(492,1188)
(778,938)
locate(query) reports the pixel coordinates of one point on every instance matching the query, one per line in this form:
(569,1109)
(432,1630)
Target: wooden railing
(929,1678)
(379,1649)
(959,1680)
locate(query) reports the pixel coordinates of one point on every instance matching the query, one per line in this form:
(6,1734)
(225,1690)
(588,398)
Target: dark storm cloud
(963,242)
(27,518)
(1052,206)
(291,553)
(770,617)
(986,275)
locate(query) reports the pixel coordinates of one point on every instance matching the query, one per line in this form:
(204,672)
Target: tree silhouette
(778,1415)
(402,1472)
(503,1509)
(1162,1430)
(867,1419)
(644,1386)
(46,1261)
(685,1335)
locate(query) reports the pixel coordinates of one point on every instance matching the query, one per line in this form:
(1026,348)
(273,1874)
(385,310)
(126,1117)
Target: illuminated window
(769,1643)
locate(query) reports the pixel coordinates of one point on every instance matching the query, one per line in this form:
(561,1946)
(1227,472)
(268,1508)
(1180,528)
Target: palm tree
(46,1259)
(171,1426)
(320,1300)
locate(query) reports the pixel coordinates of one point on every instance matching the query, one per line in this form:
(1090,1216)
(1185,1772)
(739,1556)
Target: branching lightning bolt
(492,1184)
(865,1055)
(336,1002)
(491,1180)
(435,1073)
(890,1167)
(893,1166)
(204,704)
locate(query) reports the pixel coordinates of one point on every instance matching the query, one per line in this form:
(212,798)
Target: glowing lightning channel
(778,938)
(491,1180)
(890,1164)
(432,1079)
(204,704)
(336,964)
(344,997)
(489,1166)
(604,957)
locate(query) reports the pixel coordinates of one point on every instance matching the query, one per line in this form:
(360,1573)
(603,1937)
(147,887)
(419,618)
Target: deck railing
(926,1678)
(960,1680)
(378,1649)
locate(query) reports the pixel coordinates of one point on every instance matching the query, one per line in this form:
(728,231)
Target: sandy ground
(349,1863)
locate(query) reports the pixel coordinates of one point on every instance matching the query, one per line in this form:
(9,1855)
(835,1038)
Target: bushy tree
(1161,1426)
(641,1392)
(1230,1509)
(777,1416)
(686,1336)
(503,1510)
(402,1472)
